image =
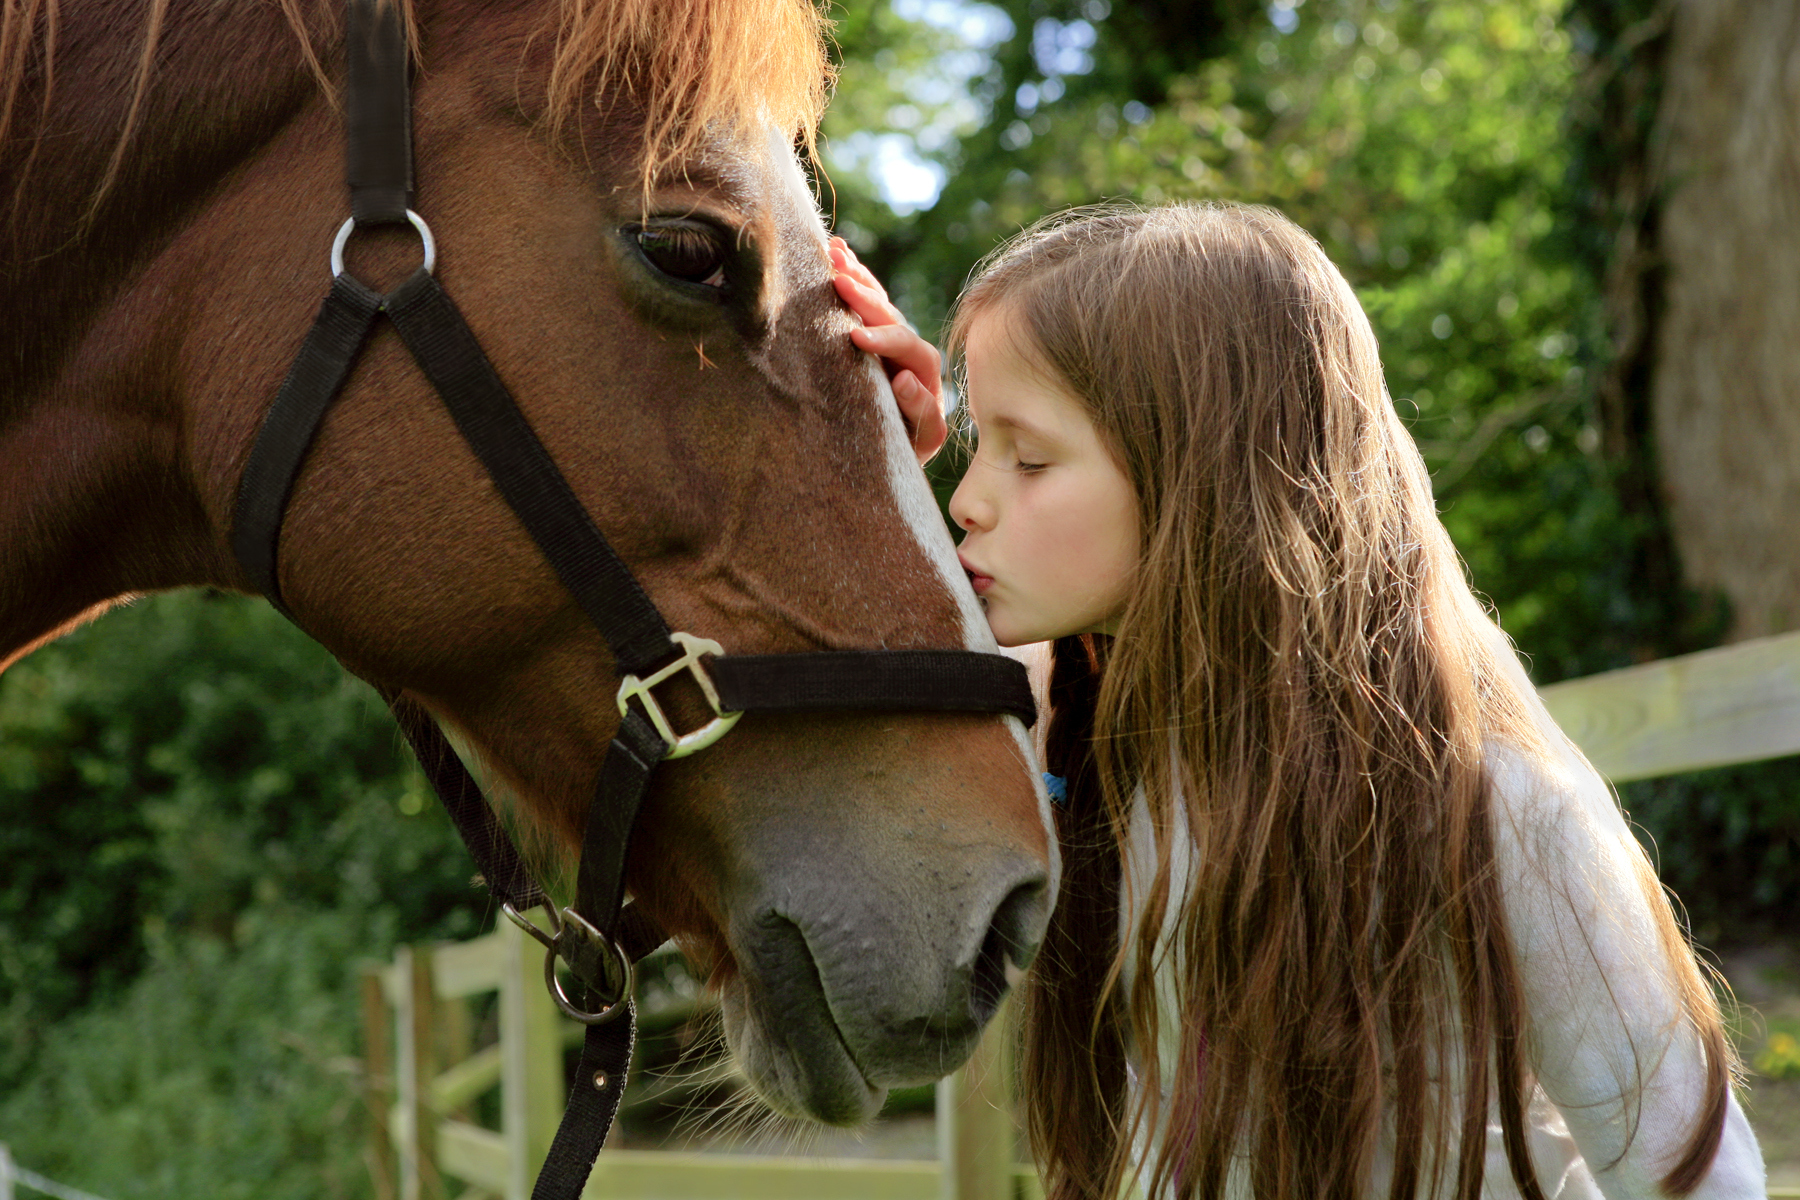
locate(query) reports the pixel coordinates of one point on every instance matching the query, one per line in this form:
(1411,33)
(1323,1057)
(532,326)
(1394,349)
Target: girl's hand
(912,363)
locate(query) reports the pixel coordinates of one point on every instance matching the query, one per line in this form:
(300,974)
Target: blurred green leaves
(204,827)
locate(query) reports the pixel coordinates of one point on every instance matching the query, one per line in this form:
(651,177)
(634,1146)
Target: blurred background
(1573,223)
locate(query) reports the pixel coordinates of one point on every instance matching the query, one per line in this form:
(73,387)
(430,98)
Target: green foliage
(1779,1058)
(206,824)
(220,1072)
(1728,841)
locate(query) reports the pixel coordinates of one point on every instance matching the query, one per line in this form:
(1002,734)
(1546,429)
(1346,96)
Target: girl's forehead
(1024,405)
(1002,332)
(1009,387)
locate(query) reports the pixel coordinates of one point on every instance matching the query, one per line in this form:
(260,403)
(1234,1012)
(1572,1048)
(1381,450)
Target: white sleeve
(1607,1041)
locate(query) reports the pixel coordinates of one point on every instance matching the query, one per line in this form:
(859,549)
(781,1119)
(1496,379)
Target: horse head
(655,292)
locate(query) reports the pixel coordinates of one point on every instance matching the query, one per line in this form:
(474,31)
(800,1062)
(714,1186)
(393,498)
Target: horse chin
(783,1035)
(797,1061)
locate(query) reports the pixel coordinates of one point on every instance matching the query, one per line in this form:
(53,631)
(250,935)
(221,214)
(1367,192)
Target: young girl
(1343,913)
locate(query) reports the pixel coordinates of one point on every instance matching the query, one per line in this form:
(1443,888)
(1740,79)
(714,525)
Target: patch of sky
(906,180)
(940,102)
(1062,47)
(1030,95)
(1283,16)
(980,25)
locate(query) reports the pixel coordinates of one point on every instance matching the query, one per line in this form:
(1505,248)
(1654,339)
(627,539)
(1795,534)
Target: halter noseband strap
(598,936)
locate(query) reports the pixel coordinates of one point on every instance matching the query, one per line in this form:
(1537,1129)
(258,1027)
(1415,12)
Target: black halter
(599,937)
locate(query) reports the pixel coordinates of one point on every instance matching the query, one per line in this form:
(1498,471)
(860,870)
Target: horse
(620,207)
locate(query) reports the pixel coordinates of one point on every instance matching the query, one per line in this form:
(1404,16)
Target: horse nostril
(1008,947)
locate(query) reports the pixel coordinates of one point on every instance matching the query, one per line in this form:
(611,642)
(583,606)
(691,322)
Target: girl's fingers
(914,400)
(860,289)
(845,260)
(892,341)
(900,349)
(923,412)
(911,362)
(871,304)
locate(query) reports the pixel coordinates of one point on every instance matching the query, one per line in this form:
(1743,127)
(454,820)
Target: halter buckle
(681,745)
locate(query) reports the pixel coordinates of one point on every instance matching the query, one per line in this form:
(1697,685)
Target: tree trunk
(1726,390)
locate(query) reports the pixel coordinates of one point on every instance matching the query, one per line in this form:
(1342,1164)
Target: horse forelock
(695,66)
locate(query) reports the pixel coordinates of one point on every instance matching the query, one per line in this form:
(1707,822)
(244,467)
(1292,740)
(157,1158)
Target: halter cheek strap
(598,937)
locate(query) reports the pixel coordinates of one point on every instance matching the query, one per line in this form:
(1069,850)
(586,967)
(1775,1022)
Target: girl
(1343,913)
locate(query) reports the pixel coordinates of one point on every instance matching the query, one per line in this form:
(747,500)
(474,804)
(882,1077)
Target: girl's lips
(981,583)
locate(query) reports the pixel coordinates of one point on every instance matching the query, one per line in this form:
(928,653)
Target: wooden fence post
(455,1040)
(378,1081)
(975,1120)
(416,1002)
(531,1065)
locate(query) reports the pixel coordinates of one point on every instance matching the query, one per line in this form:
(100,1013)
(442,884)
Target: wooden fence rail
(1736,704)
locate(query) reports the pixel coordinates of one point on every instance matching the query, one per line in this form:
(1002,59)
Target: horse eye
(684,252)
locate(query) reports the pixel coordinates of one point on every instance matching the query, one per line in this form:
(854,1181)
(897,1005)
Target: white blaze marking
(804,243)
(912,495)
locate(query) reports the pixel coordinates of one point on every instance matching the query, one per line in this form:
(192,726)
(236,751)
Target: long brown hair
(1303,688)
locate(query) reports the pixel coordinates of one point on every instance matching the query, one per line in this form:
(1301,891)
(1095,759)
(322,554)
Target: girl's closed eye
(1029,455)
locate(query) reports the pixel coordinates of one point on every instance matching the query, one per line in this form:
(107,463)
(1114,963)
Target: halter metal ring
(349,226)
(627,973)
(682,745)
(561,921)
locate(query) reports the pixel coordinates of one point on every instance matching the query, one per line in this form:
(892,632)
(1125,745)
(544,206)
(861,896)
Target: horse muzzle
(847,989)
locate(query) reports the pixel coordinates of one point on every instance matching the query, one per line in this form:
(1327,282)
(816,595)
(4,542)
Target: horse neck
(97,502)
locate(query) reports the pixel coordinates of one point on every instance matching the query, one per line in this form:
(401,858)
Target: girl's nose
(967,508)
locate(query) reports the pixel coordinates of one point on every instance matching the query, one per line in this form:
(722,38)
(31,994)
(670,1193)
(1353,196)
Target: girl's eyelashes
(1028,468)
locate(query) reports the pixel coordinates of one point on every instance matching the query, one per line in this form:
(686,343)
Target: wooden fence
(1736,704)
(416,1017)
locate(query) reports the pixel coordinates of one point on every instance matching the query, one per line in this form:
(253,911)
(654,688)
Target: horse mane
(693,66)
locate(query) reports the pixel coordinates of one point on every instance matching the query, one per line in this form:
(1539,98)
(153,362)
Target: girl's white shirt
(1600,995)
